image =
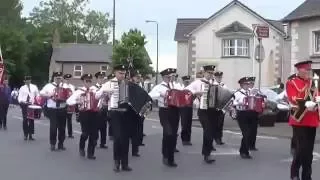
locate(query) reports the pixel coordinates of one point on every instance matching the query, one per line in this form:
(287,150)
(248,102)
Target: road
(33,160)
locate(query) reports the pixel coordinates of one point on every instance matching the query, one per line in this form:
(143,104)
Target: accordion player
(85,98)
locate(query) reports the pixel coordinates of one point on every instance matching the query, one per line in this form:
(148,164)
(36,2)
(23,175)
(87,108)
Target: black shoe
(135,154)
(186,143)
(126,168)
(61,148)
(52,147)
(111,138)
(295,178)
(141,144)
(5,128)
(214,149)
(208,159)
(176,151)
(102,146)
(245,156)
(144,135)
(25,138)
(82,153)
(116,166)
(71,136)
(219,142)
(31,138)
(172,164)
(91,157)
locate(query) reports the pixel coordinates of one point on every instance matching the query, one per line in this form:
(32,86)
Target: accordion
(178,98)
(219,97)
(61,94)
(88,102)
(254,103)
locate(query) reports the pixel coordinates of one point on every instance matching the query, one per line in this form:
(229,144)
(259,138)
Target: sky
(133,13)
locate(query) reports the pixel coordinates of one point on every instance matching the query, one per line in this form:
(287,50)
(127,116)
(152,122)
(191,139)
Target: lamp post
(114,24)
(157,64)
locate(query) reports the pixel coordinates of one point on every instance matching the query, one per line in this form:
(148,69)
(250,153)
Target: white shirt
(68,86)
(239,99)
(111,89)
(24,92)
(102,101)
(282,95)
(176,85)
(199,86)
(75,97)
(48,91)
(158,92)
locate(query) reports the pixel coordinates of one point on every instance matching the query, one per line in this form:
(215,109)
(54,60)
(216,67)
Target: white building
(226,39)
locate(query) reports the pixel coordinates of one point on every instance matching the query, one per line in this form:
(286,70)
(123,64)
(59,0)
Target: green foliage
(10,11)
(132,45)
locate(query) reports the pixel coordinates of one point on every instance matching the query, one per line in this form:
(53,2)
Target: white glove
(310,105)
(282,107)
(317,99)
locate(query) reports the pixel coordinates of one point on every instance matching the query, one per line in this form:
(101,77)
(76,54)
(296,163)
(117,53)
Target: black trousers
(69,124)
(57,125)
(208,120)
(186,114)
(3,114)
(219,125)
(27,124)
(102,126)
(254,129)
(169,120)
(89,130)
(245,119)
(305,138)
(134,133)
(121,134)
(140,130)
(293,144)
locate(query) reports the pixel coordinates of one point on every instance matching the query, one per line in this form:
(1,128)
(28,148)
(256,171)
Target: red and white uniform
(298,88)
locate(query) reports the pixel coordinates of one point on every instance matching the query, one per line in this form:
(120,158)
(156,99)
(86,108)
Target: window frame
(235,47)
(74,71)
(316,42)
(107,68)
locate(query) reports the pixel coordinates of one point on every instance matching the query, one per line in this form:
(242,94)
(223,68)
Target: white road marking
(222,152)
(227,131)
(316,157)
(42,123)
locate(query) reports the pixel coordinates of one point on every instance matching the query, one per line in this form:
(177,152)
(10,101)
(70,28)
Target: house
(302,27)
(79,59)
(226,39)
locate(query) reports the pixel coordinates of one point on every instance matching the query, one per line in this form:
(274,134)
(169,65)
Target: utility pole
(114,24)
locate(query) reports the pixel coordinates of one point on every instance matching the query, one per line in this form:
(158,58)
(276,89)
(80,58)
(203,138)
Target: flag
(1,68)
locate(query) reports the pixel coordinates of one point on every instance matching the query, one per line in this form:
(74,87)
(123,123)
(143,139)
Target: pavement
(33,160)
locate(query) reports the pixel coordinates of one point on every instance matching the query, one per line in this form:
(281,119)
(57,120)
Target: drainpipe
(253,58)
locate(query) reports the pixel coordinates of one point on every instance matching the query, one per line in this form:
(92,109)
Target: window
(77,71)
(317,42)
(104,68)
(235,47)
(286,30)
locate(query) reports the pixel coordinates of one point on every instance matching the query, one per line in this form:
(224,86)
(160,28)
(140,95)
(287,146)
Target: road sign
(261,31)
(259,53)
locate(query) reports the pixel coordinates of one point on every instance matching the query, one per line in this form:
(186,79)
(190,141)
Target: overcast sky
(133,13)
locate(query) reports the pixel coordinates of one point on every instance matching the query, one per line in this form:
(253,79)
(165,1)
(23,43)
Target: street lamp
(157,66)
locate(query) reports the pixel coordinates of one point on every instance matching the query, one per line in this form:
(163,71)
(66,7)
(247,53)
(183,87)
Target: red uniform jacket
(299,91)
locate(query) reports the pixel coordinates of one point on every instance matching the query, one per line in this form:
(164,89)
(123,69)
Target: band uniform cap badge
(86,77)
(100,73)
(119,67)
(67,76)
(57,74)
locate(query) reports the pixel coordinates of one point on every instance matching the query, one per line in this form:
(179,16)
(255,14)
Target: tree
(10,11)
(73,22)
(132,45)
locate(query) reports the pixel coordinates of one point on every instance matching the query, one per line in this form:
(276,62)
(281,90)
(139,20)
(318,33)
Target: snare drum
(34,112)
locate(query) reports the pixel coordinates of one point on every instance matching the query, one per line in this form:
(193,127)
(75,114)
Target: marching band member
(254,125)
(26,96)
(102,128)
(200,88)
(136,121)
(304,119)
(220,120)
(88,117)
(68,85)
(110,134)
(56,112)
(5,100)
(169,117)
(244,117)
(186,114)
(119,119)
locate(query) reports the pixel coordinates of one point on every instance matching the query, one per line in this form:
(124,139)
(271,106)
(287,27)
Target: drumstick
(316,84)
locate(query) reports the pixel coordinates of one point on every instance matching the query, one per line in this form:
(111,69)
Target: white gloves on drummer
(310,105)
(317,99)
